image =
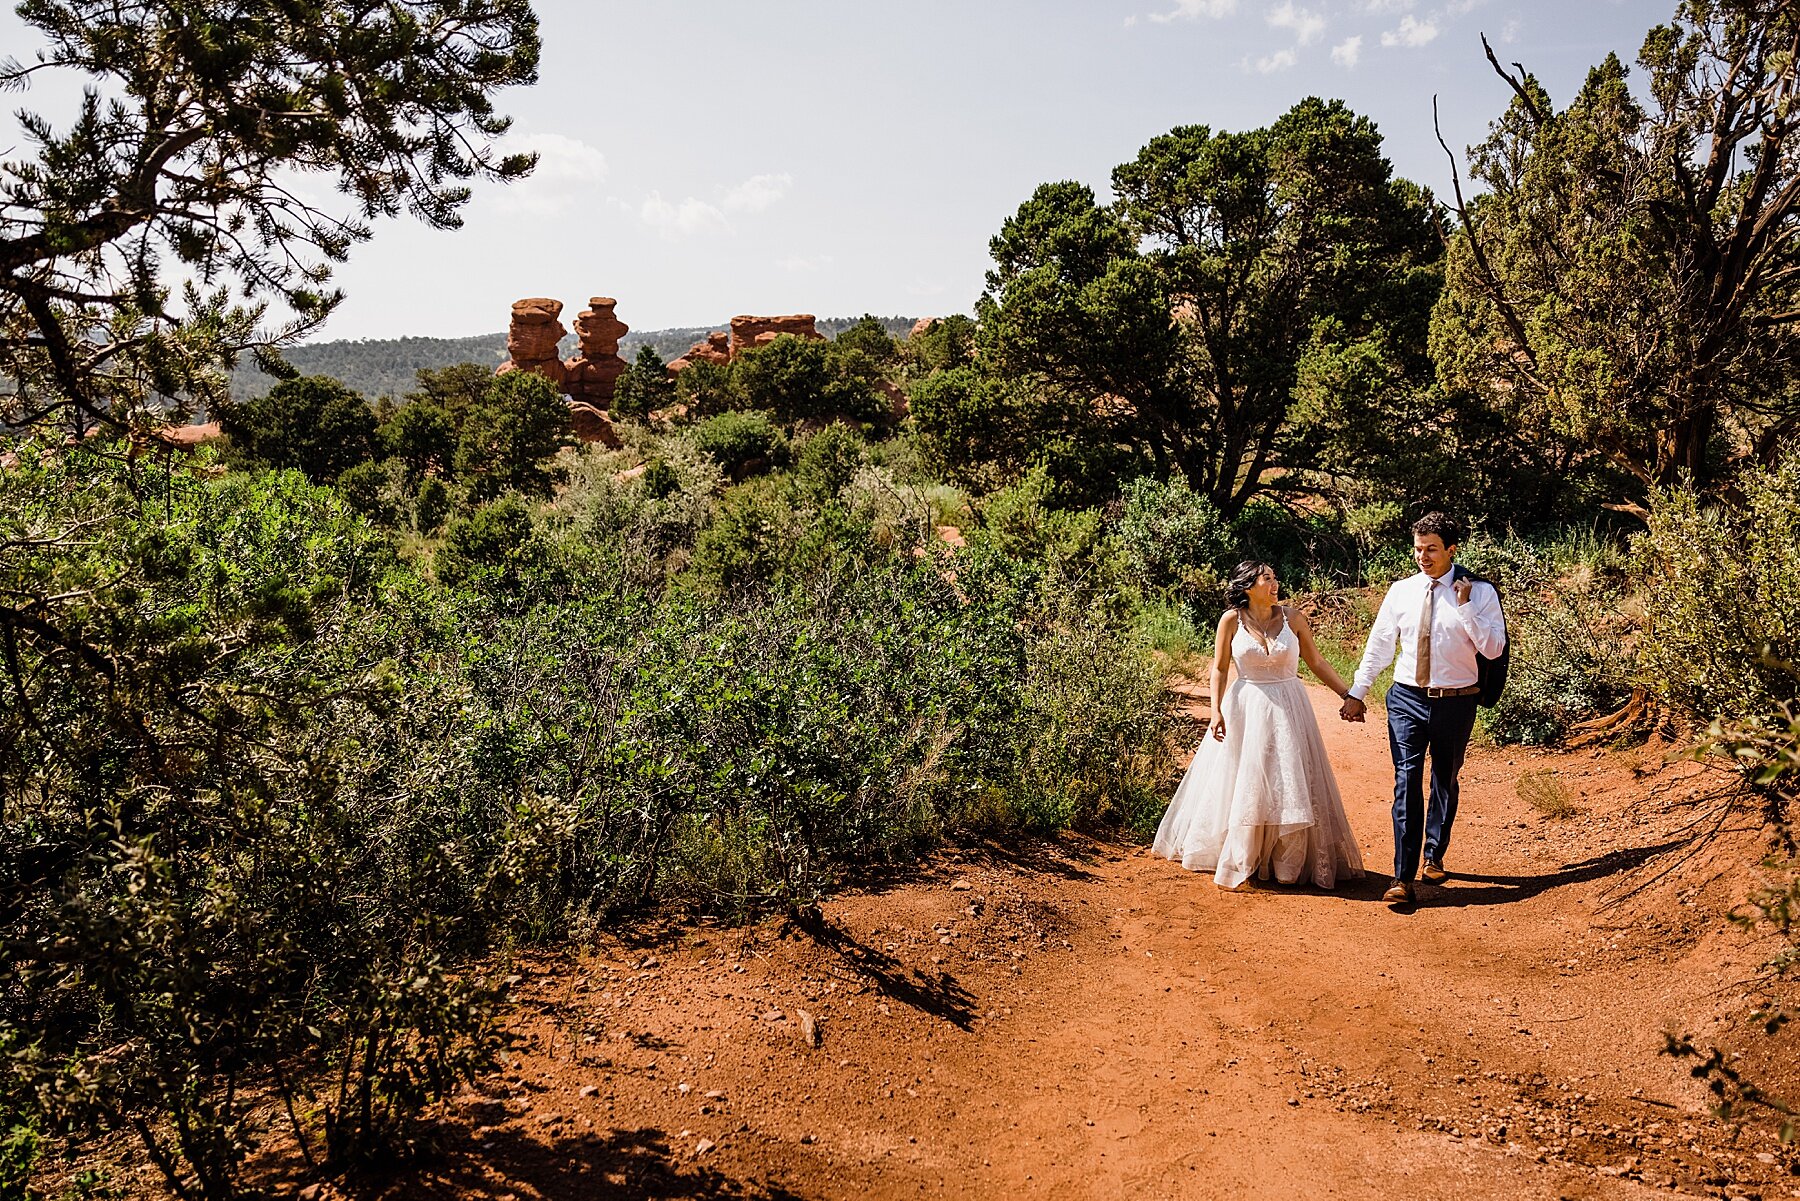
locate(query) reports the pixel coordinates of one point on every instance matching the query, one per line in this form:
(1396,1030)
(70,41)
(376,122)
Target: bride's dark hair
(1243,577)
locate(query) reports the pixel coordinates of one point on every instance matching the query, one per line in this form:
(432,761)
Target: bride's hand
(1218,728)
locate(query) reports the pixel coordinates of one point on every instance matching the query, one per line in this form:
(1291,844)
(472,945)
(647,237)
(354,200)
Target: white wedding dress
(1263,801)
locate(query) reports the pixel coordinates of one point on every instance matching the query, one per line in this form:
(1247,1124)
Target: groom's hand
(1464,587)
(1352,709)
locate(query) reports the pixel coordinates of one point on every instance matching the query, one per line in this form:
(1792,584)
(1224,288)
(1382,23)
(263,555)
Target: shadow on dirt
(614,1165)
(1456,892)
(940,996)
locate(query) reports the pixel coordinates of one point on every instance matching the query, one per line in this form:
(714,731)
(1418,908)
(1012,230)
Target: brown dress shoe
(1400,892)
(1434,871)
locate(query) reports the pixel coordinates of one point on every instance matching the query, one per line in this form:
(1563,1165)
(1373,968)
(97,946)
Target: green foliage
(973,428)
(380,491)
(708,388)
(660,479)
(186,167)
(219,902)
(1175,326)
(870,338)
(314,424)
(741,443)
(1611,232)
(948,342)
(1570,631)
(422,435)
(431,505)
(798,379)
(491,545)
(828,461)
(1173,539)
(507,440)
(1094,729)
(1723,616)
(645,387)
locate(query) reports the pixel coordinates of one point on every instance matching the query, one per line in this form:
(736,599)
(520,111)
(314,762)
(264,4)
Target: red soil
(1081,1019)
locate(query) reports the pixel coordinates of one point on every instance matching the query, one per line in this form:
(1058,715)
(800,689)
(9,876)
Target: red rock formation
(590,376)
(591,424)
(923,325)
(715,348)
(187,437)
(532,338)
(747,331)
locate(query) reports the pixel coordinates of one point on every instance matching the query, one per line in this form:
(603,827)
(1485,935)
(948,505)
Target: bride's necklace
(1258,629)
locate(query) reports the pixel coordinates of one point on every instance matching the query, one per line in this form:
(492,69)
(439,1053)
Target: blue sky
(704,158)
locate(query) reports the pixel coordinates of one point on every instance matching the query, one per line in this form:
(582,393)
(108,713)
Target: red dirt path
(1082,1019)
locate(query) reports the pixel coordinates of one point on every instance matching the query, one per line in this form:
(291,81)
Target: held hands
(1352,709)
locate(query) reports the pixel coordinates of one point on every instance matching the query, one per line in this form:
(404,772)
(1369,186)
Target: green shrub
(751,539)
(1570,632)
(313,423)
(495,541)
(1174,540)
(660,479)
(1094,732)
(1723,597)
(378,490)
(431,505)
(218,893)
(707,388)
(740,442)
(948,342)
(645,387)
(507,441)
(828,461)
(421,434)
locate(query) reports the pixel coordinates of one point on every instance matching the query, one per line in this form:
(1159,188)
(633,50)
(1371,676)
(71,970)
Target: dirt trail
(1086,1020)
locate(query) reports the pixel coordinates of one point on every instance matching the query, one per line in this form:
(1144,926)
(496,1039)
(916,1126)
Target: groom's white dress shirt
(1458,632)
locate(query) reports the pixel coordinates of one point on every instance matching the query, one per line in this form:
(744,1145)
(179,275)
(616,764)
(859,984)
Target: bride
(1260,797)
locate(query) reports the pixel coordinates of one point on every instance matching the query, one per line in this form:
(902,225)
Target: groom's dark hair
(1441,524)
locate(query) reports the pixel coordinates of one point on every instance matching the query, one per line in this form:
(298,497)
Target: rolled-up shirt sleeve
(1483,621)
(1379,652)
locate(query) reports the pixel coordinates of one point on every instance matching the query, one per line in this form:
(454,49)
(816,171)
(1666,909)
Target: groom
(1431,626)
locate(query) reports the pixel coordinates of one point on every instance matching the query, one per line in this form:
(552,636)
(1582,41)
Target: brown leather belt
(1471,690)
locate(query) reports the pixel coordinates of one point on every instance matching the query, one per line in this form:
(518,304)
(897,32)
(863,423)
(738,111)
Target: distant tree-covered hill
(388,366)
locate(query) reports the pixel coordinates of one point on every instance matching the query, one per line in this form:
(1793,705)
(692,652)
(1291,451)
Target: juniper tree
(189,158)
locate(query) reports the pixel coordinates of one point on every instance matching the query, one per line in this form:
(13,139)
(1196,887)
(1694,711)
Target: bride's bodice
(1279,660)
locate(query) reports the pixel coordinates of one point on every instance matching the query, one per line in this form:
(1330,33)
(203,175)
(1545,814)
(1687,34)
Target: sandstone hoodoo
(923,325)
(591,375)
(532,339)
(715,348)
(747,331)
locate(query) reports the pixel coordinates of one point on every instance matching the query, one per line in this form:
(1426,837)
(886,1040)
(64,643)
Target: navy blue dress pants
(1417,725)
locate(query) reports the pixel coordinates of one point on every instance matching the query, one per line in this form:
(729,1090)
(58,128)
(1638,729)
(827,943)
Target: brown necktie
(1422,676)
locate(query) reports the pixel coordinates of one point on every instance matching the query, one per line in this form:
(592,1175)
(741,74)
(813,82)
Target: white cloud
(1389,6)
(680,219)
(757,193)
(1412,32)
(1281,60)
(1348,52)
(1306,25)
(567,169)
(1509,33)
(1188,10)
(804,264)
